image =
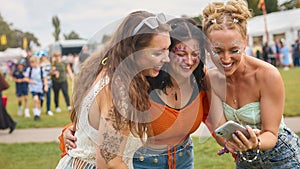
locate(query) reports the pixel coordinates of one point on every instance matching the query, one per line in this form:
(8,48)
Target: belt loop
(169,157)
(174,157)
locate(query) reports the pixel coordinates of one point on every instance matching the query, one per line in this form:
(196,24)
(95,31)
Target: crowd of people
(37,75)
(278,53)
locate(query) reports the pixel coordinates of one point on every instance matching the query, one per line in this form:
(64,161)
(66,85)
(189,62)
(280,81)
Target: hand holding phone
(227,129)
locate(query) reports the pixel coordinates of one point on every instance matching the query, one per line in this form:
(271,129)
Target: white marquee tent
(12,53)
(283,22)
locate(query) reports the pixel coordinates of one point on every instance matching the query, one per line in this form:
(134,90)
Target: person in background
(284,55)
(38,84)
(254,93)
(47,69)
(60,80)
(267,52)
(5,119)
(21,87)
(27,58)
(84,54)
(296,52)
(76,64)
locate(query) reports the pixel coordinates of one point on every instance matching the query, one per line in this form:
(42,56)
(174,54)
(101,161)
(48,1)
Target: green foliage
(29,155)
(46,155)
(56,24)
(71,35)
(290,4)
(271,6)
(14,36)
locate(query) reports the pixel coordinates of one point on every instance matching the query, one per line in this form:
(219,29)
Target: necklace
(234,101)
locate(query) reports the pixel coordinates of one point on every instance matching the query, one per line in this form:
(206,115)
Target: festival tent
(283,22)
(12,53)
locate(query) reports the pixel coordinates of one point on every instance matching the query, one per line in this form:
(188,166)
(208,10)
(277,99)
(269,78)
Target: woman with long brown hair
(111,91)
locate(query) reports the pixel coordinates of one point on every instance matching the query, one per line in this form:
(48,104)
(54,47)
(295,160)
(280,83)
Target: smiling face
(229,47)
(152,58)
(185,58)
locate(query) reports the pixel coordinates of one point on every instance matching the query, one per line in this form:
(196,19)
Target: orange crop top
(170,123)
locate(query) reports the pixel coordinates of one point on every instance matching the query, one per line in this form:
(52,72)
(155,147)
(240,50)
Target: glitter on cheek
(195,60)
(182,60)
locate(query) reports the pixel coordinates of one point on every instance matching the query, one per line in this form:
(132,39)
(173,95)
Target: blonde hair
(230,15)
(34,59)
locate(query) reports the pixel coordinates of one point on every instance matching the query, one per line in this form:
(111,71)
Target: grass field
(46,156)
(292,105)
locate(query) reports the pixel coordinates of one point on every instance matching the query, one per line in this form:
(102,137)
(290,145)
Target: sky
(86,17)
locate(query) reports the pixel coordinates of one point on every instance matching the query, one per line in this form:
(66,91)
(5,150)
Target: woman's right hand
(69,138)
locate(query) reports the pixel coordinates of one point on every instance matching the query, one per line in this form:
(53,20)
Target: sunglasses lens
(152,23)
(161,18)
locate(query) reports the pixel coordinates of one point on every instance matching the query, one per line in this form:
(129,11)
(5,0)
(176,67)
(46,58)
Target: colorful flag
(25,43)
(3,39)
(261,5)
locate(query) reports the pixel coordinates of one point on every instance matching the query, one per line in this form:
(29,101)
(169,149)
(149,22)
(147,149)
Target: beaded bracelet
(256,155)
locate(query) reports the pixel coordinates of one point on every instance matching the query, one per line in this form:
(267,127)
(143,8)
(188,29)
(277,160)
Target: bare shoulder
(268,74)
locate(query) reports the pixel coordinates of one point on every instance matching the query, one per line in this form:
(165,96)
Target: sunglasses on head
(151,22)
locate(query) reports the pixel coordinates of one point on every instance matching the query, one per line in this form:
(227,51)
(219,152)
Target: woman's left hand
(241,143)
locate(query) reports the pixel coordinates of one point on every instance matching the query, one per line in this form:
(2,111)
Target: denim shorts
(22,91)
(40,95)
(182,155)
(285,154)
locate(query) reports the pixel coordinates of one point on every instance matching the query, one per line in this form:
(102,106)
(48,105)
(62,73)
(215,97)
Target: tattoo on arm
(112,137)
(110,147)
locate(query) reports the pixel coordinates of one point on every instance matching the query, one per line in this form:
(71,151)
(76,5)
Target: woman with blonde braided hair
(254,93)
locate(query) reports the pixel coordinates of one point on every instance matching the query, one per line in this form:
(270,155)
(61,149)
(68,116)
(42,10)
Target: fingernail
(233,135)
(248,127)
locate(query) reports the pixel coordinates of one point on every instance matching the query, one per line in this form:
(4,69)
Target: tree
(56,24)
(291,4)
(72,35)
(271,6)
(14,37)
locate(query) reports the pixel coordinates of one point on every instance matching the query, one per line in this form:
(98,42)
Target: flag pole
(262,5)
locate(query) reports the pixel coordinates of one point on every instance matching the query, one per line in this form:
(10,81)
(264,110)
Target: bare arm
(69,70)
(112,133)
(272,107)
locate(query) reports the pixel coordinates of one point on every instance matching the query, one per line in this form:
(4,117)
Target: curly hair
(230,15)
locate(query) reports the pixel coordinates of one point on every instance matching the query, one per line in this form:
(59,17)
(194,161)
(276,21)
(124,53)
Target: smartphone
(230,127)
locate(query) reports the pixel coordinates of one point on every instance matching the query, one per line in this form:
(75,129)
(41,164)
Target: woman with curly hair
(254,92)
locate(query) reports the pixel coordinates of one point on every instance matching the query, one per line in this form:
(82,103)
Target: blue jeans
(147,158)
(48,97)
(285,154)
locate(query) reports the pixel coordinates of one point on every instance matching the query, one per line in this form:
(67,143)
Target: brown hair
(121,45)
(230,15)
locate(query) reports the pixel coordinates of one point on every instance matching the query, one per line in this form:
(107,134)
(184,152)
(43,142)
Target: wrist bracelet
(256,155)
